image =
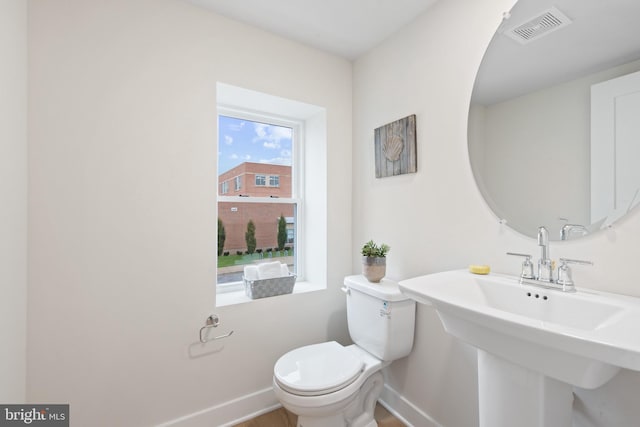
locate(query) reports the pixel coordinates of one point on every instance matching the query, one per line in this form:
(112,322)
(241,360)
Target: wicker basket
(269,287)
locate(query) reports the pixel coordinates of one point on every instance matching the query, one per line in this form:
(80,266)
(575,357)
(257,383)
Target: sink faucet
(544,278)
(568,230)
(544,263)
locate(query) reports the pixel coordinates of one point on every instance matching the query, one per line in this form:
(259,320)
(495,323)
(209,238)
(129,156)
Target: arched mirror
(554,121)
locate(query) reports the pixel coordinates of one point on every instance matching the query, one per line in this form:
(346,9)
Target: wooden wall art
(395,147)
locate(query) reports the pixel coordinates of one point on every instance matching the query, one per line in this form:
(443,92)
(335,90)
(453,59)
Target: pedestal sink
(533,344)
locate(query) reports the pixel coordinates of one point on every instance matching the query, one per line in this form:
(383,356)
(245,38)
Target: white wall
(122,220)
(436,220)
(123,215)
(13,199)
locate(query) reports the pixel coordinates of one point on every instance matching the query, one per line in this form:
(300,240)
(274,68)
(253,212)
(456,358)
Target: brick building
(255,180)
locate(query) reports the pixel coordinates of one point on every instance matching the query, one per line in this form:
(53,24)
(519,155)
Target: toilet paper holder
(212,322)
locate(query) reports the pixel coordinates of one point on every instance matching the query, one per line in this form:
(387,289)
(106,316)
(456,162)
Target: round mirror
(554,129)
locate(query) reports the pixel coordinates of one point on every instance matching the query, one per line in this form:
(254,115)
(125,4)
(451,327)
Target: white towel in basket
(269,270)
(251,272)
(284,270)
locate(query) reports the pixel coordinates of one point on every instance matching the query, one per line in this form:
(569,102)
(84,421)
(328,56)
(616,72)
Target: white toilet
(329,385)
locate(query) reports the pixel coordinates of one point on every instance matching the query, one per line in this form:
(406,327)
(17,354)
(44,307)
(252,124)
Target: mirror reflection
(554,135)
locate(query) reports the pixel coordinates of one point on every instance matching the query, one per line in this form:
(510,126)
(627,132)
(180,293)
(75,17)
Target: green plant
(282,232)
(222,236)
(371,249)
(250,237)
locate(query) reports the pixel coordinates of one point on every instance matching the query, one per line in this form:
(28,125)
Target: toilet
(330,385)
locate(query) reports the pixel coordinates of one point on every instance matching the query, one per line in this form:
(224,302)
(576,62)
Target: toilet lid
(317,369)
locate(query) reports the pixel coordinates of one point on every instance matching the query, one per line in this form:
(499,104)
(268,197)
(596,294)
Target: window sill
(239,297)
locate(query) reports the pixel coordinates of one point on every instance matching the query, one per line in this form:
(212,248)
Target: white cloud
(260,130)
(237,127)
(285,161)
(273,145)
(280,132)
(228,140)
(271,135)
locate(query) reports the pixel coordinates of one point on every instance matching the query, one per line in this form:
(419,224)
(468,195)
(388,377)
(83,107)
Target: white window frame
(297,184)
(271,178)
(237,183)
(224,187)
(263,179)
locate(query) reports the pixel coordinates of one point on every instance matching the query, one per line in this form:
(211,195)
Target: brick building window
(238,182)
(261,180)
(274,181)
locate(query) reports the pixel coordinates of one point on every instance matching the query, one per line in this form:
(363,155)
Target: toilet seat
(317,369)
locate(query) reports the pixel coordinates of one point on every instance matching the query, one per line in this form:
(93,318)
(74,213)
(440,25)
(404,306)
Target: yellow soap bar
(479,269)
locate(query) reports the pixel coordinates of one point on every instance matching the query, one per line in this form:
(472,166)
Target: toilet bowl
(330,385)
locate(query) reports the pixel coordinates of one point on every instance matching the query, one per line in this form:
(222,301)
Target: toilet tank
(381,319)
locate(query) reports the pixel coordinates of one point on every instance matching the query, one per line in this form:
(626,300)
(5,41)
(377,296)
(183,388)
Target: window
(290,229)
(306,182)
(250,223)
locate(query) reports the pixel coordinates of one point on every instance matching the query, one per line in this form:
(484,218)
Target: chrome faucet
(564,273)
(544,263)
(544,278)
(568,230)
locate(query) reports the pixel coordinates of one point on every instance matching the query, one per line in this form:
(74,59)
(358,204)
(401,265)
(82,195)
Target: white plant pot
(374,268)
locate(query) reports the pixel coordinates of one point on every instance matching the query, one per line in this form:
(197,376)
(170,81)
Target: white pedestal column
(510,395)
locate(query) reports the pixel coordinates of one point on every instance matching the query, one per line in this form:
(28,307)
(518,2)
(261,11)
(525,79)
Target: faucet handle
(527,265)
(574,261)
(564,272)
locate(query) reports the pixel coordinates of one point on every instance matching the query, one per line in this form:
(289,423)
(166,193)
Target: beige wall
(122,230)
(13,199)
(436,220)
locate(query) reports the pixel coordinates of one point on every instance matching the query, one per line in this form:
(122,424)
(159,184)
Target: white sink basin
(580,338)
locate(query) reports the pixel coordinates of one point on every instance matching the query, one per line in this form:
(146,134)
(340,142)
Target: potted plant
(374,261)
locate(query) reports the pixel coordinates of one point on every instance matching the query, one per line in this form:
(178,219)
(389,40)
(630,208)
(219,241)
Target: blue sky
(241,140)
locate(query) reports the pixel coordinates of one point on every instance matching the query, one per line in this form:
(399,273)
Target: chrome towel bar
(212,322)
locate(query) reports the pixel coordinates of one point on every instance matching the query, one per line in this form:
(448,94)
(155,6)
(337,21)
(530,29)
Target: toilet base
(358,411)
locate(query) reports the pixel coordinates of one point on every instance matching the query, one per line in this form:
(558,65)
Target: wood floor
(283,418)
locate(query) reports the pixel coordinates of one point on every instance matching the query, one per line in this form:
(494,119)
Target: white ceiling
(604,33)
(347,28)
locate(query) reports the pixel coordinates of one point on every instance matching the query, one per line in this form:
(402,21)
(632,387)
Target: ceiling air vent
(535,28)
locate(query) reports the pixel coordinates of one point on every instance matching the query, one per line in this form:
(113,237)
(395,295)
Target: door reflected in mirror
(553,132)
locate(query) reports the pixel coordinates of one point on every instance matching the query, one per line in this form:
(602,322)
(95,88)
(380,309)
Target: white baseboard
(229,413)
(255,404)
(404,410)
